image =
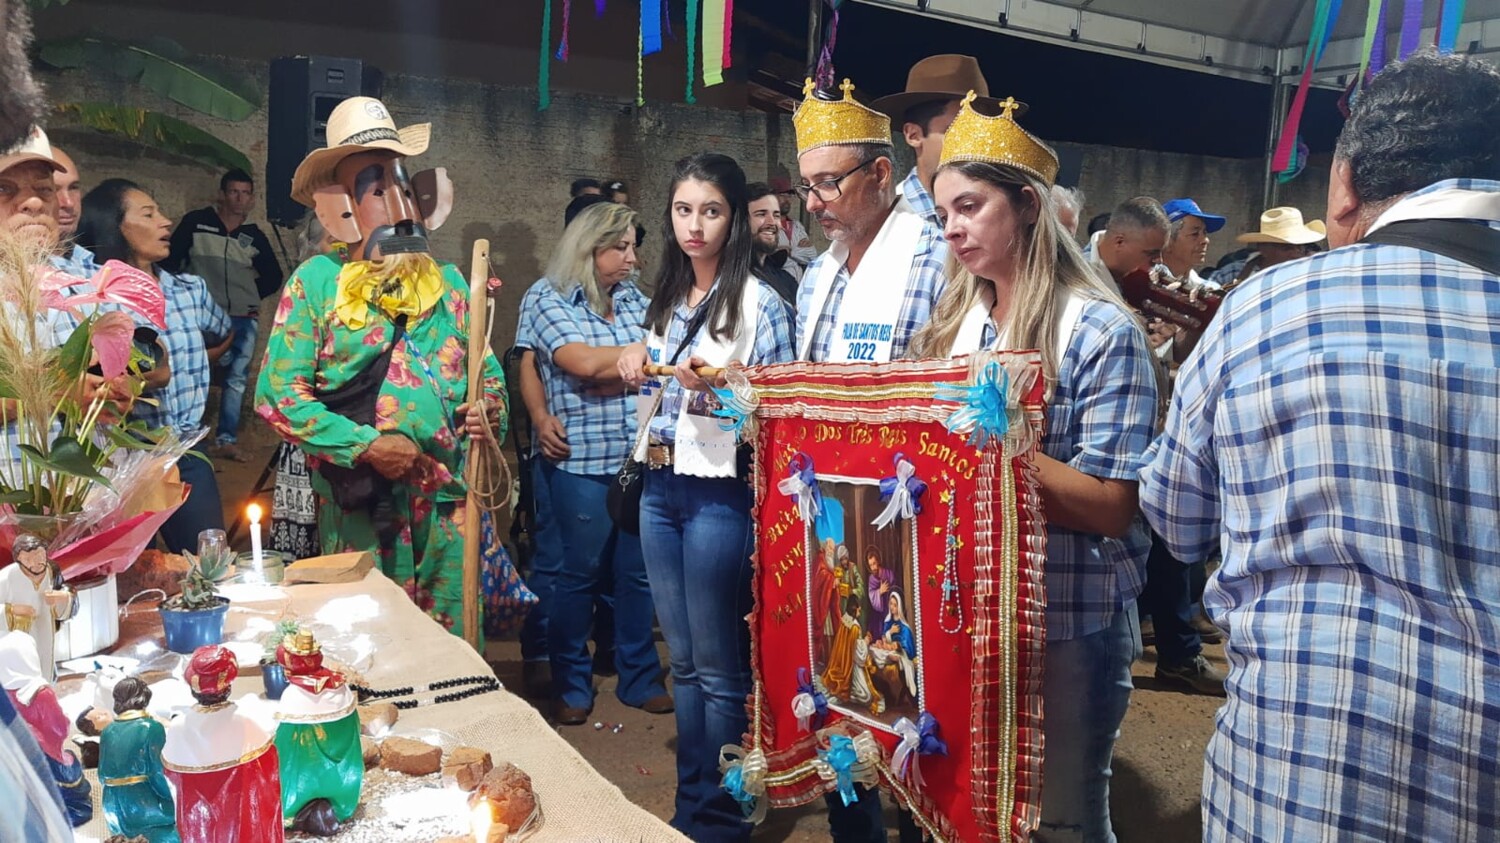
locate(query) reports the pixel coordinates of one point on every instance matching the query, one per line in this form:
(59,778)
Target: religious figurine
(34,598)
(137,799)
(322,764)
(222,762)
(36,702)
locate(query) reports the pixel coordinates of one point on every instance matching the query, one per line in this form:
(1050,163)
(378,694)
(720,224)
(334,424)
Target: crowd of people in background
(1310,476)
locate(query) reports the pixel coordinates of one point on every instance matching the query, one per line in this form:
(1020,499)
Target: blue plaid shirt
(191,313)
(925,282)
(773,344)
(1335,433)
(79,262)
(29,799)
(1100,422)
(600,429)
(919,199)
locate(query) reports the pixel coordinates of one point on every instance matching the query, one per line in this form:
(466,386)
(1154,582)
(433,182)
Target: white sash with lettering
(874,295)
(702,448)
(971,330)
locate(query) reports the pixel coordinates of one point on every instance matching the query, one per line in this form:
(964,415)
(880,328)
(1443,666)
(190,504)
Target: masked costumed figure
(366,366)
(317,739)
(137,799)
(34,598)
(36,702)
(222,762)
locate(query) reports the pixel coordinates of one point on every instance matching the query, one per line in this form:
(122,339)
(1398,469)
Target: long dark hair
(99,219)
(675,277)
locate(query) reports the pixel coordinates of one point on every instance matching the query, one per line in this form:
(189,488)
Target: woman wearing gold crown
(1019,282)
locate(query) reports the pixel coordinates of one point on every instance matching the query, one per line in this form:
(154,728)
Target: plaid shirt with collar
(600,428)
(1335,434)
(925,283)
(191,313)
(29,799)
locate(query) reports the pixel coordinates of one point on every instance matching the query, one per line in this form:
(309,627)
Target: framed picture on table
(898,625)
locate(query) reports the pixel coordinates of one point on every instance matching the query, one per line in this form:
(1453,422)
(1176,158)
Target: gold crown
(828,122)
(301,642)
(997,140)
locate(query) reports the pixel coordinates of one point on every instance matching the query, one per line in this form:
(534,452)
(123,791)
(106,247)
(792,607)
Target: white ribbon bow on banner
(903,494)
(906,752)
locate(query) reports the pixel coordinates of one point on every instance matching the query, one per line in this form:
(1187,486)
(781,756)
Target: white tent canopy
(1257,40)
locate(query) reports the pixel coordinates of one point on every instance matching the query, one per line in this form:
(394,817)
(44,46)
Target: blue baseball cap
(1179,208)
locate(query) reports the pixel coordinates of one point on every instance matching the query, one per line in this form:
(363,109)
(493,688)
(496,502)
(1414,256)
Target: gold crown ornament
(997,140)
(822,122)
(301,642)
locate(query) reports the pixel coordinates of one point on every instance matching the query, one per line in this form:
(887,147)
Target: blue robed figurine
(137,799)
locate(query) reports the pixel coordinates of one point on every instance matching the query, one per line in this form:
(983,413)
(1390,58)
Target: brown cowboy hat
(944,77)
(357,124)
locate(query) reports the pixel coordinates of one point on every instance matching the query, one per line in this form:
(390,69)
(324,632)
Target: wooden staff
(479,277)
(658,370)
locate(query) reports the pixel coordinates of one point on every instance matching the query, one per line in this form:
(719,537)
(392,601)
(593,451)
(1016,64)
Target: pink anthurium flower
(111,337)
(114,283)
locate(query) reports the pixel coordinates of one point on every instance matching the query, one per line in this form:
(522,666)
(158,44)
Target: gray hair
(1424,120)
(1139,214)
(310,239)
(596,227)
(1071,197)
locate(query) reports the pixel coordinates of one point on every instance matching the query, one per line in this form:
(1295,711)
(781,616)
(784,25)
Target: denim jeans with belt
(1085,691)
(237,359)
(592,545)
(696,535)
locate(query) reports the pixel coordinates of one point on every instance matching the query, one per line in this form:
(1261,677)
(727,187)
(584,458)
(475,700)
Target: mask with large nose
(378,210)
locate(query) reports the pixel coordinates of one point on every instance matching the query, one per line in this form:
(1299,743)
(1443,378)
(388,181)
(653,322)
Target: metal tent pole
(1270,187)
(814,33)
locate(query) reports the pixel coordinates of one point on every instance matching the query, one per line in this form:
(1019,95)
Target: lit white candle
(255,553)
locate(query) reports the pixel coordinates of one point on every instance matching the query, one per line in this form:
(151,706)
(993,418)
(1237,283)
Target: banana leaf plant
(158,131)
(162,66)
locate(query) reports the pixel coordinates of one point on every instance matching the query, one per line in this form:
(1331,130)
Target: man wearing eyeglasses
(861,300)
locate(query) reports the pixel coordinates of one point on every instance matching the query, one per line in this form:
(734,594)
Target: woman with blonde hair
(577,325)
(1017,281)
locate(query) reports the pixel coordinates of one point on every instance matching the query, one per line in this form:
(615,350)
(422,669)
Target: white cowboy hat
(34,148)
(1284,225)
(357,124)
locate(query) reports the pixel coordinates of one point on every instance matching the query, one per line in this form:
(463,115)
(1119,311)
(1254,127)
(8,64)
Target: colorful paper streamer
(562,49)
(1377,49)
(692,48)
(1411,28)
(1450,19)
(1373,19)
(713,42)
(543,94)
(650,28)
(1323,19)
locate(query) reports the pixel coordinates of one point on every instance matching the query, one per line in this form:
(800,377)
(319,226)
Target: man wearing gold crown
(317,739)
(864,298)
(222,763)
(861,300)
(365,367)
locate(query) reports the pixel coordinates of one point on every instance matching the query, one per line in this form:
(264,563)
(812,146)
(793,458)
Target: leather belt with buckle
(658,456)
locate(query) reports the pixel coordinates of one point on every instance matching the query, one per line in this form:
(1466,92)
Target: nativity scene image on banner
(898,629)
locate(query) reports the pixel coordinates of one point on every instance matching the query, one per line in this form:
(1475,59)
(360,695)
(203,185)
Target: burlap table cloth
(578,803)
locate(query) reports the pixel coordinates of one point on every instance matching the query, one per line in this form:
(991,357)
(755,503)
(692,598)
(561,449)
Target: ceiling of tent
(1250,39)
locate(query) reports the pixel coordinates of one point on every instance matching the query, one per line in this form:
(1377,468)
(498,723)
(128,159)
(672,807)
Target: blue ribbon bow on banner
(809,705)
(902,493)
(982,409)
(802,485)
(841,757)
(917,739)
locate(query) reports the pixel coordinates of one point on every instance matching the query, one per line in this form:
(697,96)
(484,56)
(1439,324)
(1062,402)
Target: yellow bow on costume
(363,285)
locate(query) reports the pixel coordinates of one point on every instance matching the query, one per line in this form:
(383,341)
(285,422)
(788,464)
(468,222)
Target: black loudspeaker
(304,91)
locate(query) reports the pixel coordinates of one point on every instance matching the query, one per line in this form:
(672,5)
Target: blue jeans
(1085,691)
(201,511)
(546,563)
(237,359)
(592,545)
(696,534)
(1168,598)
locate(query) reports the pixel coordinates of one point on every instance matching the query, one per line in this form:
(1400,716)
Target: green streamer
(543,73)
(692,47)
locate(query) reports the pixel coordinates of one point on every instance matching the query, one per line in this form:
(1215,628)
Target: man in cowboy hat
(935,86)
(365,367)
(1282,237)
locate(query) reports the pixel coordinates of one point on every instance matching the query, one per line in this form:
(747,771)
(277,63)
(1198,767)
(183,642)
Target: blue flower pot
(186,631)
(274,677)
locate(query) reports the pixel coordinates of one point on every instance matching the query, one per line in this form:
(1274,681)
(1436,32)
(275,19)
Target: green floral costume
(311,350)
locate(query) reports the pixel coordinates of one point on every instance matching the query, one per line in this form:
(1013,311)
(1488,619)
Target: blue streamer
(650,29)
(982,406)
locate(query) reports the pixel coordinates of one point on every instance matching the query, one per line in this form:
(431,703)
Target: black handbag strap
(1472,243)
(355,398)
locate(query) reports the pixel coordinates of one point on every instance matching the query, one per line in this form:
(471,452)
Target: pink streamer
(728,32)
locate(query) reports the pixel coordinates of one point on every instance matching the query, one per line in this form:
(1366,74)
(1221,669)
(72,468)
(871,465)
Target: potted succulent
(195,617)
(271,672)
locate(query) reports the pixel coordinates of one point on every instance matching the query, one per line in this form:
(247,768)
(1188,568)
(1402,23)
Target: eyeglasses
(829,190)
